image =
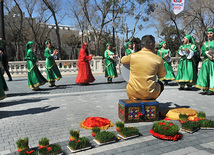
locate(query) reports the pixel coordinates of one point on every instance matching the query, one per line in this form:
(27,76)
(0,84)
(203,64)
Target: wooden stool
(131,111)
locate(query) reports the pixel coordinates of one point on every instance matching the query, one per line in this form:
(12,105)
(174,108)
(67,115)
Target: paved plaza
(53,112)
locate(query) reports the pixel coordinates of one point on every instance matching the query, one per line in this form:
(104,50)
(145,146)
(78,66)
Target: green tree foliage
(171,38)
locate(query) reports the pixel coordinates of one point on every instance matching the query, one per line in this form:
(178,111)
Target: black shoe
(10,80)
(39,89)
(181,88)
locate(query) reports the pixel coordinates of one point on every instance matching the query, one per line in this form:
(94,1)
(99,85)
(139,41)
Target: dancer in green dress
(35,78)
(187,73)
(3,85)
(53,73)
(206,76)
(129,49)
(110,65)
(165,54)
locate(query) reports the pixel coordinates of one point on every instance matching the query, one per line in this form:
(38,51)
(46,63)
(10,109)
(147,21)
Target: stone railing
(68,67)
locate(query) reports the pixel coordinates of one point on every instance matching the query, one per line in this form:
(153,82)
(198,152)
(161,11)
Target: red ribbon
(170,124)
(165,128)
(49,149)
(130,128)
(174,138)
(29,152)
(161,123)
(140,114)
(78,141)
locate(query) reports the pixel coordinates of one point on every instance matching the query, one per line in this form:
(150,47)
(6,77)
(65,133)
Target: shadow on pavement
(24,94)
(4,114)
(116,82)
(165,107)
(24,101)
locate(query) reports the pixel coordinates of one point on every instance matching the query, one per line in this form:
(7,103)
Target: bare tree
(76,13)
(53,6)
(198,17)
(37,25)
(16,26)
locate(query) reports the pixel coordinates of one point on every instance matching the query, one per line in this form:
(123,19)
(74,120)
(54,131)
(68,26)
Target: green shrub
(28,151)
(201,115)
(183,117)
(53,149)
(190,125)
(129,131)
(120,124)
(75,134)
(79,143)
(165,128)
(96,130)
(44,141)
(206,123)
(22,143)
(105,136)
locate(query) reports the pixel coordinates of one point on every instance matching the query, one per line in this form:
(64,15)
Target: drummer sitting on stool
(144,66)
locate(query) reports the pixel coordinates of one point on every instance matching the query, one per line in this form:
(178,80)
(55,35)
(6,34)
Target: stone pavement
(52,112)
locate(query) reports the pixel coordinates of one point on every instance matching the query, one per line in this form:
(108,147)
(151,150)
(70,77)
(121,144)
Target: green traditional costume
(165,54)
(53,73)
(35,78)
(187,73)
(3,84)
(206,76)
(110,65)
(128,50)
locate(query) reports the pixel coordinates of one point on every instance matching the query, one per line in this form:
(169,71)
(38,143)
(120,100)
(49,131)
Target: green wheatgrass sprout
(96,130)
(44,141)
(201,114)
(120,124)
(183,117)
(129,131)
(105,136)
(75,133)
(79,143)
(22,143)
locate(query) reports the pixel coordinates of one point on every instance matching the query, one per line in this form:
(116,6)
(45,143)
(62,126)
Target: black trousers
(6,69)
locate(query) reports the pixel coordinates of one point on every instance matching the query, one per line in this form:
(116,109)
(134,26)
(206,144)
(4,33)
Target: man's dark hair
(146,40)
(1,49)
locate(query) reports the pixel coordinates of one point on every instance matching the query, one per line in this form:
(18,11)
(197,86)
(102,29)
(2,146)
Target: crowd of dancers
(187,73)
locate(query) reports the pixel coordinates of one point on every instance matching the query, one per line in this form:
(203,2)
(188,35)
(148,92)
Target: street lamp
(2,19)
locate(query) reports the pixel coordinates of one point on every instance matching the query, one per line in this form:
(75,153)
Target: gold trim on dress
(55,79)
(3,97)
(36,85)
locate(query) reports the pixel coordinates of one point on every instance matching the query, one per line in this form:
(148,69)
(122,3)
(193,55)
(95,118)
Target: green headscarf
(190,38)
(127,44)
(161,44)
(107,44)
(210,30)
(46,43)
(28,46)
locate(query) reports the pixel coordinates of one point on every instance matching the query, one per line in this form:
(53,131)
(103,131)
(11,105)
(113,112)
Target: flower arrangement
(206,123)
(105,136)
(74,135)
(79,143)
(28,151)
(129,131)
(95,131)
(119,125)
(52,149)
(201,115)
(44,142)
(190,125)
(183,118)
(165,130)
(22,144)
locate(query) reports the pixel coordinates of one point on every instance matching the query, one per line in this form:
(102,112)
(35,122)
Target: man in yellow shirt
(144,67)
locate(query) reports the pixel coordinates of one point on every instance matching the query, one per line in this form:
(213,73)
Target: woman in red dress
(84,75)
